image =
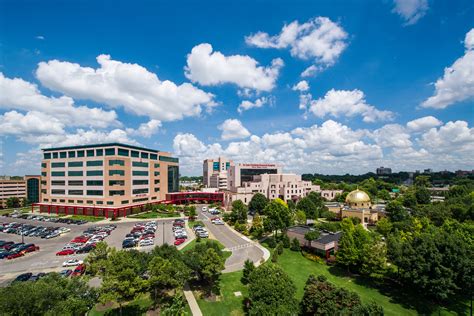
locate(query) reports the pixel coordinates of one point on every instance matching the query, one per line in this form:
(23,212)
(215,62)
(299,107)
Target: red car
(31,249)
(179,241)
(80,240)
(79,270)
(15,255)
(65,252)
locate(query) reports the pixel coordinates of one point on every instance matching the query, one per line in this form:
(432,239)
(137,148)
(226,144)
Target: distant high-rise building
(384,171)
(214,172)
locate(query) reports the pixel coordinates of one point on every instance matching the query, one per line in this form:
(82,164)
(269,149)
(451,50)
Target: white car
(218,222)
(72,263)
(146,242)
(204,208)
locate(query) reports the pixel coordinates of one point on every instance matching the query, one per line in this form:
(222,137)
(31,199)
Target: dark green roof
(100,145)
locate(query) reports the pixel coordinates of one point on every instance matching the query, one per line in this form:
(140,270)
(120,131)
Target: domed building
(358,199)
(358,205)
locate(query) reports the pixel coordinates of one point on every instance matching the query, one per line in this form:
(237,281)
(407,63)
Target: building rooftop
(100,145)
(324,238)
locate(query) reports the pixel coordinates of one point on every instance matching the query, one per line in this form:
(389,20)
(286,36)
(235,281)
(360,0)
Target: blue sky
(202,79)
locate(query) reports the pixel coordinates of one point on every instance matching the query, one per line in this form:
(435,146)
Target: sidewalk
(193,305)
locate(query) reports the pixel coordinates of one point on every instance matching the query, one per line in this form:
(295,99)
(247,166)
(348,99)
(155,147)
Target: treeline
(437,178)
(193,179)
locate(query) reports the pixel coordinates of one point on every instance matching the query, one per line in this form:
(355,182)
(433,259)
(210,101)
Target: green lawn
(148,215)
(299,268)
(10,210)
(191,224)
(87,218)
(228,303)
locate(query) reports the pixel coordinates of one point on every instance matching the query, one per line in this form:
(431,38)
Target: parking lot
(45,260)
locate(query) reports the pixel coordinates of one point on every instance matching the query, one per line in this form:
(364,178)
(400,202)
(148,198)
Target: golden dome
(357,196)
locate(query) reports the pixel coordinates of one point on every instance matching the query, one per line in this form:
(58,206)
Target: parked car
(179,241)
(65,273)
(36,277)
(86,249)
(79,270)
(23,277)
(72,263)
(218,222)
(65,252)
(15,254)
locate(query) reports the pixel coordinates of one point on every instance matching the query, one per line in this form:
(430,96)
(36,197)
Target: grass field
(228,303)
(299,268)
(87,218)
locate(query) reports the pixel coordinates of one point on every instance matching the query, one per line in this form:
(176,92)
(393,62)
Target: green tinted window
(75,164)
(144,155)
(110,151)
(75,173)
(140,182)
(95,163)
(58,165)
(62,154)
(90,153)
(123,152)
(139,173)
(139,164)
(80,153)
(153,156)
(99,152)
(95,173)
(47,156)
(58,174)
(135,153)
(169,159)
(95,192)
(116,162)
(72,154)
(55,155)
(95,182)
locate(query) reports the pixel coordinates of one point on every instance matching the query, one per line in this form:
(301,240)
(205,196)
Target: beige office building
(106,176)
(284,186)
(214,172)
(27,188)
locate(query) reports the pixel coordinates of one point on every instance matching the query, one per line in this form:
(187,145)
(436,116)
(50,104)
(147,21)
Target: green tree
(436,261)
(271,292)
(166,274)
(212,266)
(285,240)
(370,309)
(239,212)
(396,212)
(257,203)
(384,226)
(324,298)
(295,245)
(176,308)
(13,202)
(308,207)
(192,212)
(50,295)
(347,254)
(122,279)
(300,217)
(249,267)
(257,226)
(278,216)
(374,259)
(384,195)
(96,260)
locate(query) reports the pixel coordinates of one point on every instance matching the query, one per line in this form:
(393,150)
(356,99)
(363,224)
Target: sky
(328,87)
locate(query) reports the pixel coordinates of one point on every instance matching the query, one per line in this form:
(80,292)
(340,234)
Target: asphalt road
(45,260)
(242,248)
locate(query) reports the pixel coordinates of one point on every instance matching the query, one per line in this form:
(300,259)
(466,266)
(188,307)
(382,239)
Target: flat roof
(100,145)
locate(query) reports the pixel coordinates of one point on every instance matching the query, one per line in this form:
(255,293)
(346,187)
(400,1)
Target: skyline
(323,87)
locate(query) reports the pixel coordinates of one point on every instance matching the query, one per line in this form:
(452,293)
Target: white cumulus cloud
(423,123)
(18,94)
(319,39)
(247,104)
(301,86)
(146,129)
(457,84)
(210,68)
(233,129)
(348,103)
(126,85)
(411,10)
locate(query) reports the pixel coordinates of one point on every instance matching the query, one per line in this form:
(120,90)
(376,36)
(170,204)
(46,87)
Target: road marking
(247,245)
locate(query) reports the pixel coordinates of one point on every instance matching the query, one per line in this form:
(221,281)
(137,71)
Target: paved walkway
(193,305)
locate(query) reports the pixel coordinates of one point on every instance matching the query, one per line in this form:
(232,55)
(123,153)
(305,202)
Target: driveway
(241,247)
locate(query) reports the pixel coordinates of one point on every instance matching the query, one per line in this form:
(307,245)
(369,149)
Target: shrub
(286,241)
(279,248)
(275,257)
(271,243)
(295,245)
